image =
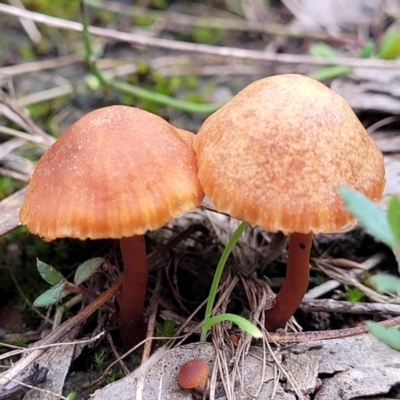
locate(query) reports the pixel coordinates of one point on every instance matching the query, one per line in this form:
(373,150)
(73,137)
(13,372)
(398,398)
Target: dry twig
(334,306)
(197,48)
(61,332)
(330,285)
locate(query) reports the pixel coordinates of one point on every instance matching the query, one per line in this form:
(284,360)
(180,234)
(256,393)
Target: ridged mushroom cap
(116,172)
(275,154)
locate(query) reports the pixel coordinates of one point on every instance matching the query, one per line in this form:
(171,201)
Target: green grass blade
(218,273)
(241,322)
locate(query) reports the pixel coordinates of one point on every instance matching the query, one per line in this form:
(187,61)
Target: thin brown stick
(63,330)
(331,285)
(335,306)
(297,337)
(226,23)
(116,354)
(233,52)
(19,115)
(30,28)
(156,258)
(133,294)
(149,335)
(296,282)
(39,66)
(151,326)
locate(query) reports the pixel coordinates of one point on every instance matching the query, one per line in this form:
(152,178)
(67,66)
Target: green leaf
(385,283)
(389,48)
(389,336)
(327,73)
(53,295)
(396,252)
(322,50)
(87,269)
(241,322)
(372,217)
(393,215)
(48,273)
(160,98)
(92,82)
(367,50)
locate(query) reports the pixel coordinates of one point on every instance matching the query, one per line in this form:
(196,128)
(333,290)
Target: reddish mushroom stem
(133,293)
(296,282)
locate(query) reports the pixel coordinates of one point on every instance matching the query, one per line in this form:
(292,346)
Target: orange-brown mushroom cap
(193,374)
(116,172)
(276,153)
(187,136)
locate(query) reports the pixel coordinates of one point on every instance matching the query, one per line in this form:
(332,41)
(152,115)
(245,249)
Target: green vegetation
(158,96)
(207,35)
(387,49)
(99,360)
(167,329)
(62,8)
(354,294)
(60,285)
(384,225)
(209,321)
(8,186)
(19,342)
(72,396)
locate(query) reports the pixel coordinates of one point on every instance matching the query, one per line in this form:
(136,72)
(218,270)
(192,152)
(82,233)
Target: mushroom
(115,173)
(274,156)
(187,136)
(193,375)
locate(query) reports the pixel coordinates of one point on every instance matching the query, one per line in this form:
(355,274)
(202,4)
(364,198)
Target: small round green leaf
(372,217)
(48,273)
(322,50)
(385,283)
(87,269)
(52,296)
(389,336)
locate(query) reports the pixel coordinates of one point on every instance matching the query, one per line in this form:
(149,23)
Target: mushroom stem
(133,293)
(296,282)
